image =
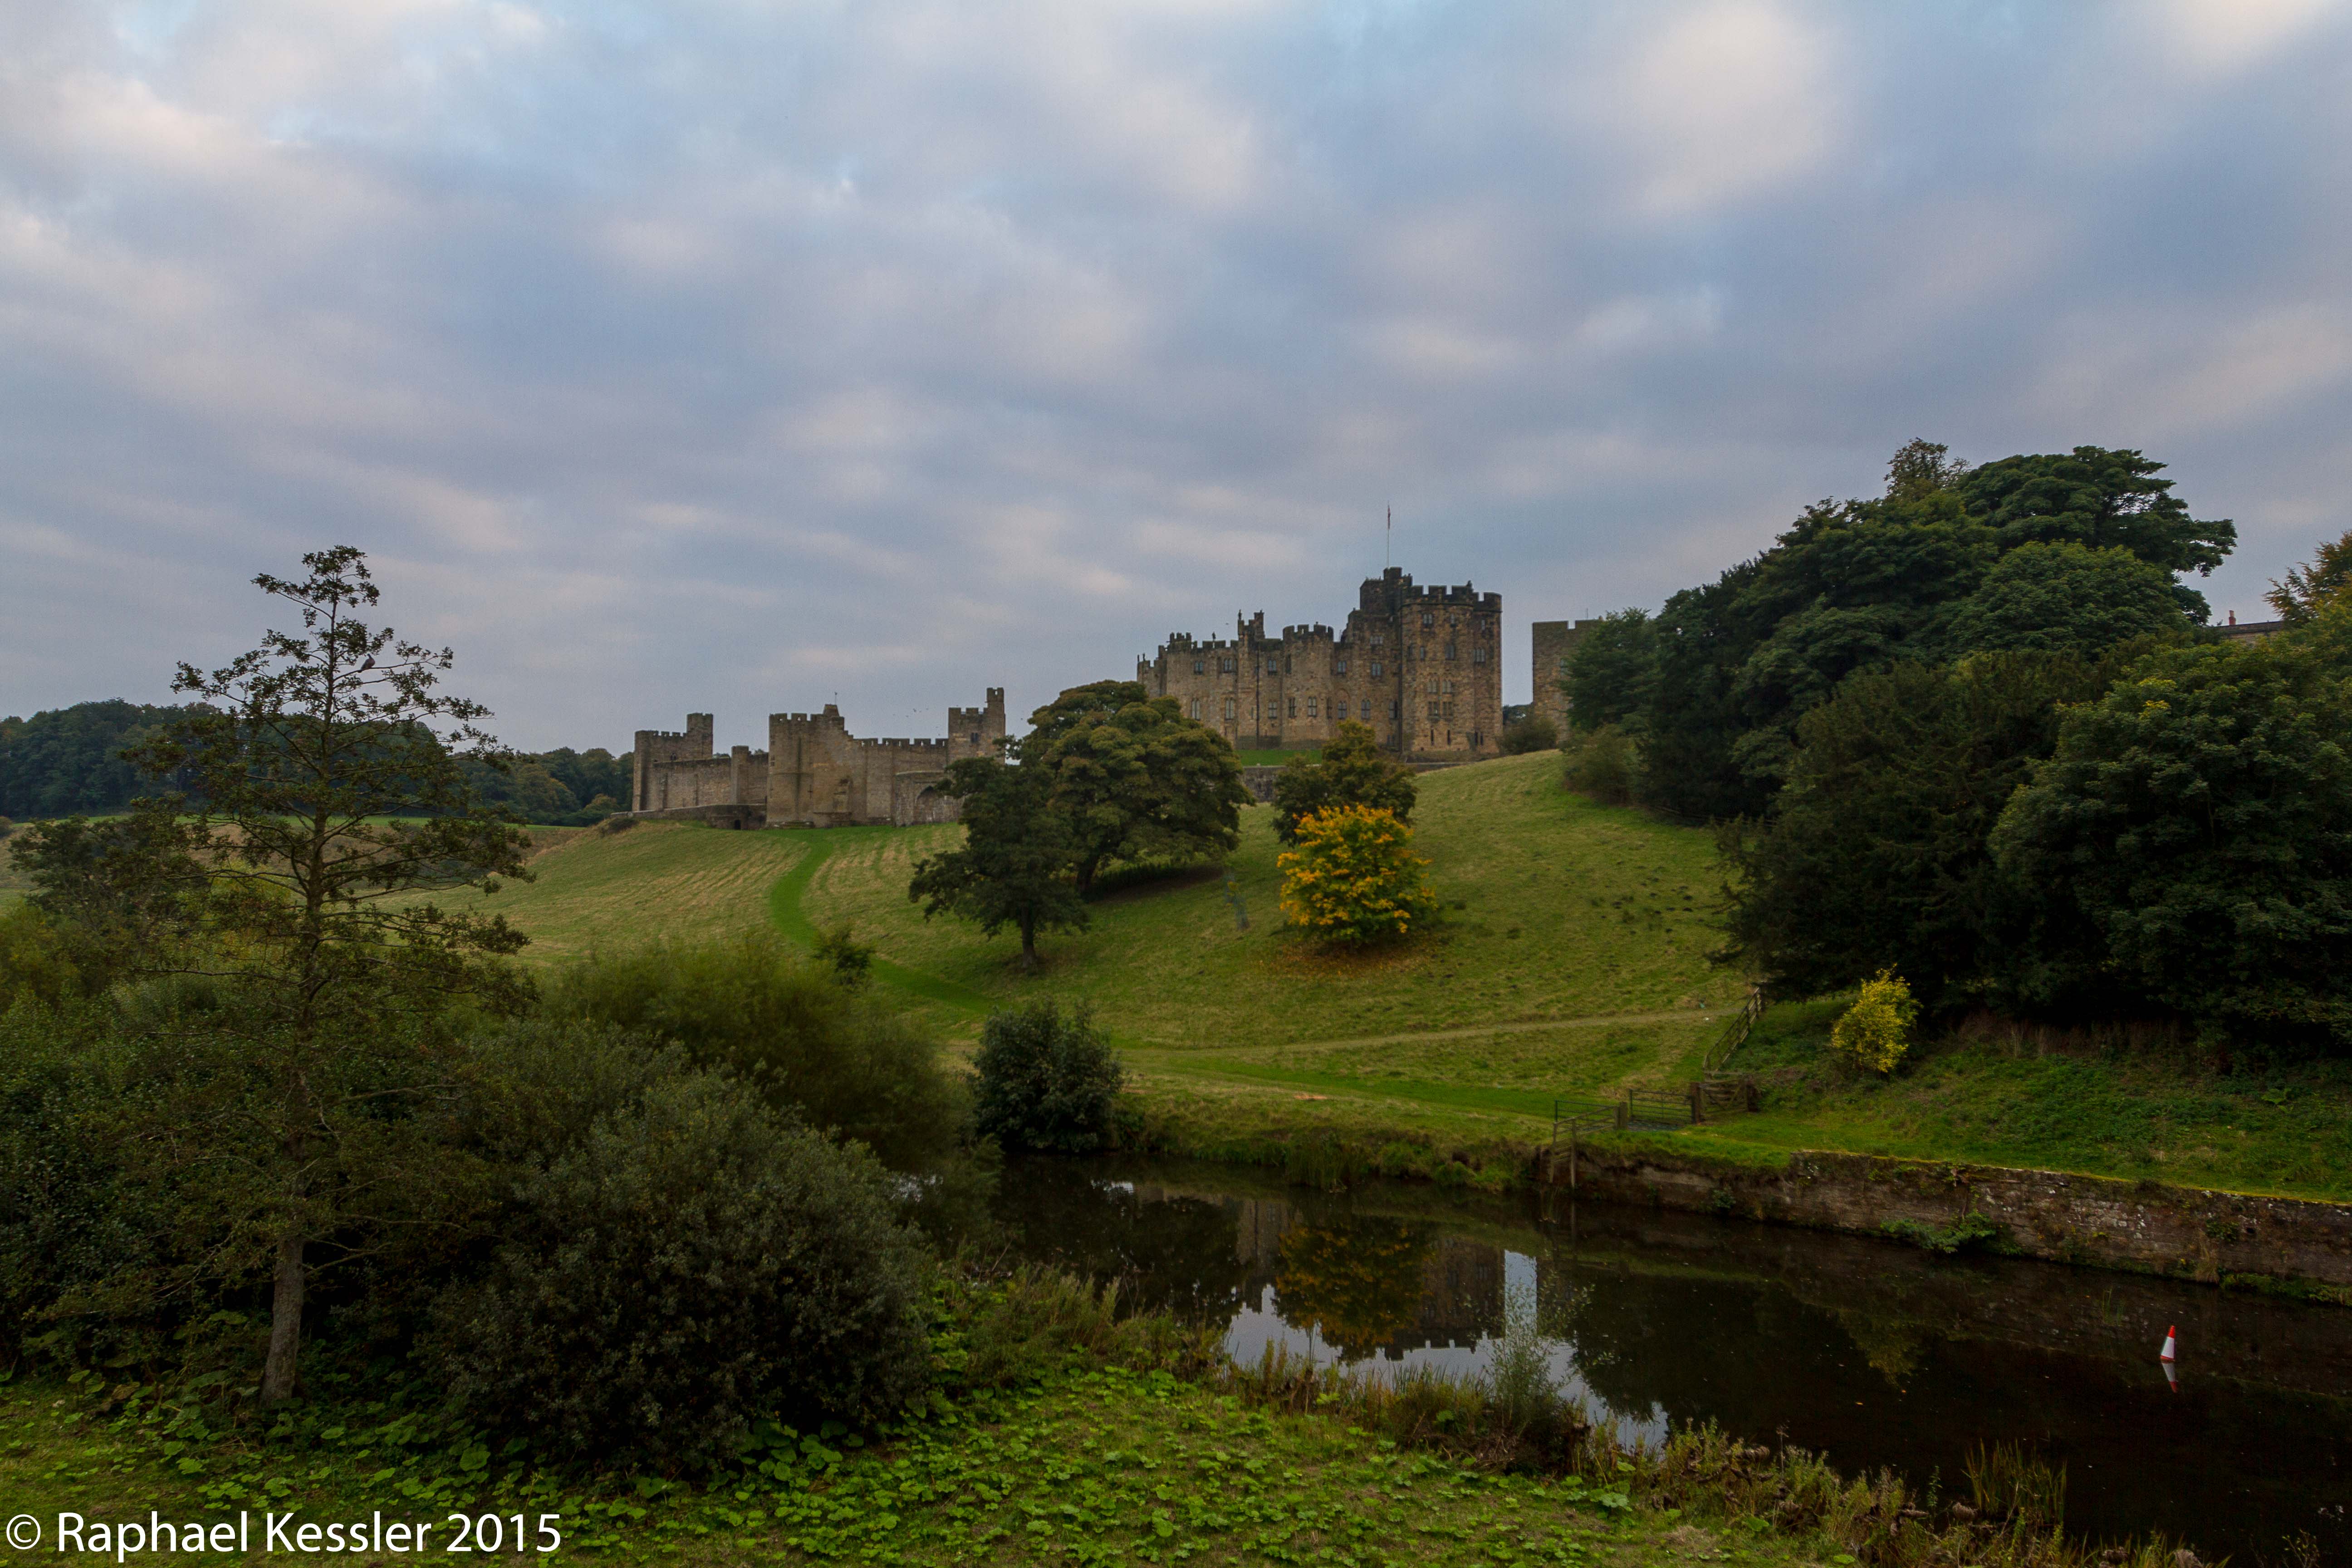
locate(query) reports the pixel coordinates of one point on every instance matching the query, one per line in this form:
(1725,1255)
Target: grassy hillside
(1572,957)
(657,879)
(1570,960)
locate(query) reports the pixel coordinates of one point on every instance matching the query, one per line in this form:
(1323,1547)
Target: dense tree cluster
(68,760)
(2068,550)
(1972,732)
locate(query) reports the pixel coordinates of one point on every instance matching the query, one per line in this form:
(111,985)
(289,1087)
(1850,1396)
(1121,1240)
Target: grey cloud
(712,356)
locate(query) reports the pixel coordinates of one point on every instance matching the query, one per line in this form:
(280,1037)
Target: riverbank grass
(2285,1128)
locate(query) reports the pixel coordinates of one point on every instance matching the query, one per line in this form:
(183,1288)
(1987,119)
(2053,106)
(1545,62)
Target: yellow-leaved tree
(1875,1032)
(1353,877)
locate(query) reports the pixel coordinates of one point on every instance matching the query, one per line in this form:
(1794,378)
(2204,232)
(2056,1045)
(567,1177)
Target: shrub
(685,1266)
(36,960)
(1353,770)
(1354,878)
(1601,765)
(837,1055)
(1533,733)
(1875,1032)
(851,961)
(1047,1080)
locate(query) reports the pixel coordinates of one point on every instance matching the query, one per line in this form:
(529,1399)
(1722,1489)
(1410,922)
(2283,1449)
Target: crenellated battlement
(1432,693)
(813,772)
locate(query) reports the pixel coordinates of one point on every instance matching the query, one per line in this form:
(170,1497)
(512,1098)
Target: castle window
(1378,638)
(1339,666)
(1196,707)
(1436,711)
(1376,669)
(1273,666)
(1200,666)
(1310,708)
(1449,650)
(1229,709)
(1428,618)
(1477,656)
(1449,688)
(1294,707)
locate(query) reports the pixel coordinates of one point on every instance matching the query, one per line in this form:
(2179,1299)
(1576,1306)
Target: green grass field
(1571,958)
(657,879)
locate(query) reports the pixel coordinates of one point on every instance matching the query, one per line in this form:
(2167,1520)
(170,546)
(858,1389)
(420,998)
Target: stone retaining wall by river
(2182,1231)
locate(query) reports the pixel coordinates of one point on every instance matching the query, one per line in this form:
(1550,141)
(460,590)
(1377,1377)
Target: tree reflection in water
(1358,1280)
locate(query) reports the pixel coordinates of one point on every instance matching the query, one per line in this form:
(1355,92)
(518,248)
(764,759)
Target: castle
(1553,643)
(815,773)
(1422,666)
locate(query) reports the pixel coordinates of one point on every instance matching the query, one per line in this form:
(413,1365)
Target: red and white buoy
(2166,1353)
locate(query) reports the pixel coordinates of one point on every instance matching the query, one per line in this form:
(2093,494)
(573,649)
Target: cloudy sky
(739,354)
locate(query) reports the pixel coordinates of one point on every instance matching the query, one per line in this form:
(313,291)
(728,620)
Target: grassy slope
(657,879)
(1239,1036)
(1571,959)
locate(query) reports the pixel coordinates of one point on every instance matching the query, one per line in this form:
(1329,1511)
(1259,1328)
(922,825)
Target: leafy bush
(1533,733)
(1354,878)
(1353,770)
(1875,1032)
(1047,1080)
(838,1056)
(838,949)
(685,1265)
(1601,765)
(36,960)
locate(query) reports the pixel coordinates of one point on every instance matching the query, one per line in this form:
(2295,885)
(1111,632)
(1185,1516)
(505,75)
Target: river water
(1874,1351)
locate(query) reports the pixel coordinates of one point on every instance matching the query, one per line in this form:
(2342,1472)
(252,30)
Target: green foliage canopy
(676,1265)
(2190,840)
(2307,589)
(1876,853)
(1131,777)
(1013,868)
(1047,1080)
(1353,770)
(834,1055)
(2068,598)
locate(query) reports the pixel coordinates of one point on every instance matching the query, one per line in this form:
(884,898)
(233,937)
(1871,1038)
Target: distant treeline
(65,761)
(1976,731)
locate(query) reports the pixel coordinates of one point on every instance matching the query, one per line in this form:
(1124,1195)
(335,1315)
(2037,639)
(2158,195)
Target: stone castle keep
(1424,667)
(815,773)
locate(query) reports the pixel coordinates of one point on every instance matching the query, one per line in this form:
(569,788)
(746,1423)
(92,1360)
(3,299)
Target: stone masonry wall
(1420,664)
(2182,1231)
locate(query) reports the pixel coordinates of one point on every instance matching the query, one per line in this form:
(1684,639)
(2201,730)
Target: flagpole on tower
(1387,535)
